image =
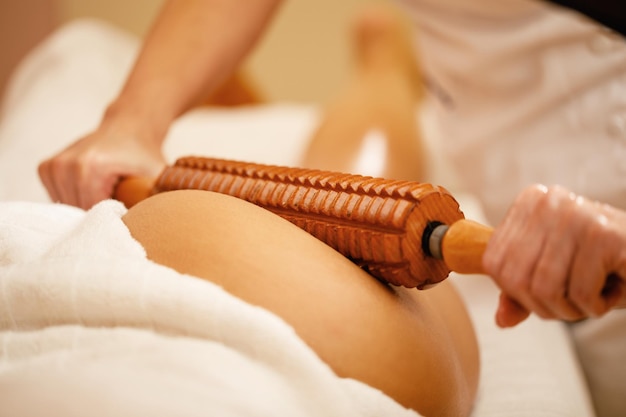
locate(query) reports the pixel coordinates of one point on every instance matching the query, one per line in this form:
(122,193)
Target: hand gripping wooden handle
(385,226)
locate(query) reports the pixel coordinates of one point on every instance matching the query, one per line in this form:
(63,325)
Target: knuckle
(42,168)
(556,198)
(548,279)
(544,314)
(582,298)
(558,191)
(514,283)
(598,229)
(596,309)
(547,293)
(536,190)
(532,195)
(491,264)
(61,163)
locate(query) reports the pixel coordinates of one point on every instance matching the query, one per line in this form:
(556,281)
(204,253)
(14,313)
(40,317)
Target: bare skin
(383,96)
(416,346)
(558,255)
(193,46)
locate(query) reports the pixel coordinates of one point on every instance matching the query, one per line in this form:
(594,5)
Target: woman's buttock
(416,346)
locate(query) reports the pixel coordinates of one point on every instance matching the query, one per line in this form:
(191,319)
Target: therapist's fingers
(513,251)
(45,175)
(497,256)
(510,231)
(93,189)
(517,278)
(61,175)
(579,268)
(509,312)
(54,173)
(95,179)
(535,248)
(596,283)
(552,273)
(65,176)
(88,171)
(594,292)
(614,290)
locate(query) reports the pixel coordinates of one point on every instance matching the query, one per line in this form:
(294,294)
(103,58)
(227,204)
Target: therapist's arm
(192,47)
(558,255)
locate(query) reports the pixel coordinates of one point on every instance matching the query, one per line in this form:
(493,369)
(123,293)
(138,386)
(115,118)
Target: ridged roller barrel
(377,223)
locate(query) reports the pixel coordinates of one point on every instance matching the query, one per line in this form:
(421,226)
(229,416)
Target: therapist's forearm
(192,46)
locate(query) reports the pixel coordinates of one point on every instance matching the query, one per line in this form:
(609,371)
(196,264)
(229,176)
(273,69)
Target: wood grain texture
(377,223)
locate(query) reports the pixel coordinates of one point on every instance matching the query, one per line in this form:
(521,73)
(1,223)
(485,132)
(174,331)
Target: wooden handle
(130,191)
(463,245)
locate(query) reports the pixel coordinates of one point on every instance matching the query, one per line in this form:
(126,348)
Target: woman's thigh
(418,347)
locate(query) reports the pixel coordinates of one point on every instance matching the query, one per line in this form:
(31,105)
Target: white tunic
(527,92)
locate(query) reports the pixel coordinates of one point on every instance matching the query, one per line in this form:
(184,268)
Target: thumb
(510,313)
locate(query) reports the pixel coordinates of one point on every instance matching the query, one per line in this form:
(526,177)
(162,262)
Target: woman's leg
(380,103)
(417,347)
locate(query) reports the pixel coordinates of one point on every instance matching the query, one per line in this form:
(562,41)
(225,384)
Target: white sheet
(120,330)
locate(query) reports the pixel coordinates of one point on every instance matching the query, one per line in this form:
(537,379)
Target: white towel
(88,323)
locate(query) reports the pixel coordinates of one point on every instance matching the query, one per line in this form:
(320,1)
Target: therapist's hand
(557,255)
(87,171)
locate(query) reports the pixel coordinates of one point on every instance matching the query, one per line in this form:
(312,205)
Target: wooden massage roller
(405,233)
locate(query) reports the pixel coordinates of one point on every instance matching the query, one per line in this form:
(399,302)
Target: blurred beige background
(305,56)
